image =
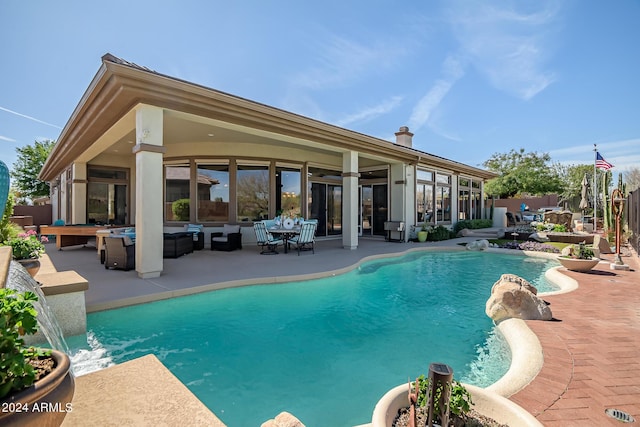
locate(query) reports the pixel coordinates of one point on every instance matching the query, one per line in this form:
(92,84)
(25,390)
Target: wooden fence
(633,218)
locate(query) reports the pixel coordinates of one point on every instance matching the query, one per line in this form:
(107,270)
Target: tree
(25,171)
(522,173)
(572,177)
(632,178)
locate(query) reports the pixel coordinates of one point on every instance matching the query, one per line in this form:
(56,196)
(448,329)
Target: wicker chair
(229,239)
(120,253)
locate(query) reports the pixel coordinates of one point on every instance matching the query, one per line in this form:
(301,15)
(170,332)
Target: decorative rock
(284,419)
(567,250)
(478,245)
(539,237)
(512,296)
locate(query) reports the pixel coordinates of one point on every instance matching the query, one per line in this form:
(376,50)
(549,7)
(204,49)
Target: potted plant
(423,233)
(36,385)
(580,258)
(469,403)
(27,249)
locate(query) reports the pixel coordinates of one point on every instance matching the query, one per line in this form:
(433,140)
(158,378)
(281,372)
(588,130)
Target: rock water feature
(20,280)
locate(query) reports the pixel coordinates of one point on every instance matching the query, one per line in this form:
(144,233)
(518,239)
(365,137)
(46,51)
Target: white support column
(402,196)
(79,194)
(149,221)
(350,177)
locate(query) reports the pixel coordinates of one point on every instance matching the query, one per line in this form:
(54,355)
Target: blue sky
(469,78)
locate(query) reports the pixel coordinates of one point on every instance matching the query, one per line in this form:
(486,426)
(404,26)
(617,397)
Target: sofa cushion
(228,229)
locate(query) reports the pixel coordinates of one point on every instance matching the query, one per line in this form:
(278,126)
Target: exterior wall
(534,203)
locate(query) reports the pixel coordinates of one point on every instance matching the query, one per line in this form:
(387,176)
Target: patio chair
(514,220)
(229,239)
(306,239)
(120,252)
(265,239)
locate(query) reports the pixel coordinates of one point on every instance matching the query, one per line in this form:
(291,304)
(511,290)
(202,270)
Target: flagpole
(595,187)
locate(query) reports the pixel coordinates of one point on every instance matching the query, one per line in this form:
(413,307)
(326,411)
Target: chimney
(404,137)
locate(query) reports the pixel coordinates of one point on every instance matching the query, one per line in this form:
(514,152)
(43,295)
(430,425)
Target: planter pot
(46,402)
(581,265)
(31,265)
(485,402)
(422,236)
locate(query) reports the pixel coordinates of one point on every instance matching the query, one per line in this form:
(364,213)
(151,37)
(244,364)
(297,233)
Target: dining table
(285,234)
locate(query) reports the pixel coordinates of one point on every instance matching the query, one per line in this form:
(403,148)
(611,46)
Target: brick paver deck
(592,353)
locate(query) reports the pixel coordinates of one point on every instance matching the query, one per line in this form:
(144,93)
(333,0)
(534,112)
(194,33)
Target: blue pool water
(325,350)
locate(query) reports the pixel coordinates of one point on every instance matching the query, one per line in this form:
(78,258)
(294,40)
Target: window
(252,192)
(177,193)
(424,196)
(464,205)
(443,198)
(107,196)
(213,193)
(288,191)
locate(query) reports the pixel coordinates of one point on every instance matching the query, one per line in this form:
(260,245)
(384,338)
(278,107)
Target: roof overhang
(118,87)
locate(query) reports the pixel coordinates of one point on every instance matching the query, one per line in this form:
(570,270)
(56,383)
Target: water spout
(22,281)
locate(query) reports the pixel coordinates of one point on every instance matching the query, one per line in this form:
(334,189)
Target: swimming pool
(325,350)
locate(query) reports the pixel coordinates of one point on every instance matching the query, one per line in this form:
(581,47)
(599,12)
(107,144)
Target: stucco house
(139,140)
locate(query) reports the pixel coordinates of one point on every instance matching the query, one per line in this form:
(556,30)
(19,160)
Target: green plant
(559,228)
(17,318)
(26,245)
(582,251)
(180,209)
(472,224)
(425,227)
(459,402)
(8,229)
(439,233)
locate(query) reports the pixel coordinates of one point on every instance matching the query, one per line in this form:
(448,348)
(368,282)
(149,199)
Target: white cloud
(508,47)
(29,117)
(371,113)
(6,138)
(340,60)
(453,70)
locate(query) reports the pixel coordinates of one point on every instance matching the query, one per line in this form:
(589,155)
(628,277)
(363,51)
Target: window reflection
(213,193)
(288,191)
(177,182)
(252,193)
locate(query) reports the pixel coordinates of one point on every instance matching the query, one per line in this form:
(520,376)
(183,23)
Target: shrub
(472,224)
(180,209)
(439,233)
(560,228)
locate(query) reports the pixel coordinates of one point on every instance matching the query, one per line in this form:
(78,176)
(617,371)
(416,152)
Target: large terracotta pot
(581,265)
(45,403)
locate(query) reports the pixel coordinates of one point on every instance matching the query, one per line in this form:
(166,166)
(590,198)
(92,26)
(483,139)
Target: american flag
(602,163)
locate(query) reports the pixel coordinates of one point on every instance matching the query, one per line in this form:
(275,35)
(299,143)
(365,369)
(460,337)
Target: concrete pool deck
(590,355)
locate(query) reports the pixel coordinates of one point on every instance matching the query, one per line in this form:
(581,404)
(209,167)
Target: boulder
(478,245)
(284,419)
(514,297)
(539,237)
(602,244)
